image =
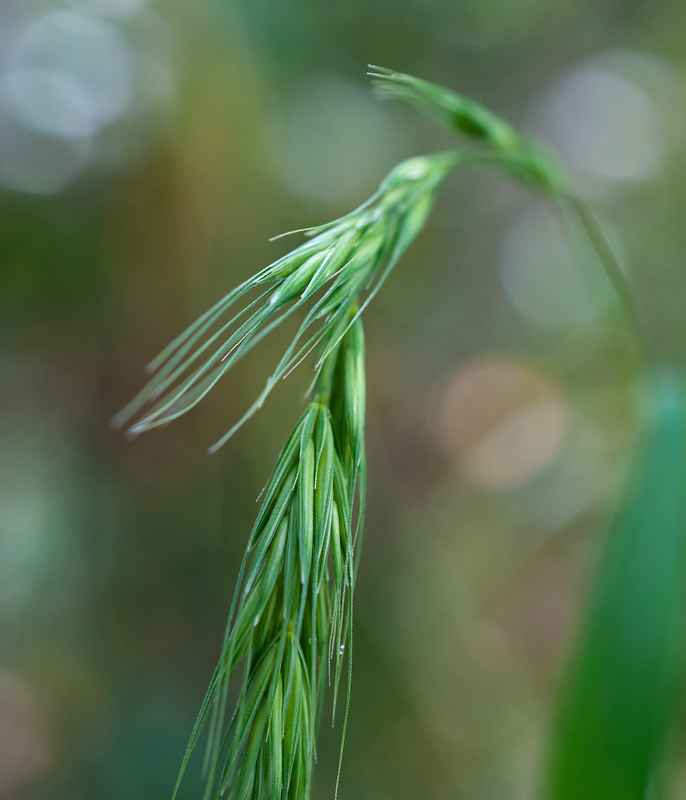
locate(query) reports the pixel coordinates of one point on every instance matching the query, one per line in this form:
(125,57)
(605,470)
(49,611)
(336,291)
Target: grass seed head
(340,262)
(290,624)
(448,108)
(522,159)
(293,600)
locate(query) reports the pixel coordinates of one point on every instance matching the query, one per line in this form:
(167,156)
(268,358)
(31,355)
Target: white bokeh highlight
(68,78)
(546,279)
(70,74)
(113,8)
(334,141)
(606,125)
(612,118)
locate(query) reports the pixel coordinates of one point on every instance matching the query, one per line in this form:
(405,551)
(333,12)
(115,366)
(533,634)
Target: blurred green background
(148,150)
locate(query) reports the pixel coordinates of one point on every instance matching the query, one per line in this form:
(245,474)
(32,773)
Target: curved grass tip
(341,262)
(449,108)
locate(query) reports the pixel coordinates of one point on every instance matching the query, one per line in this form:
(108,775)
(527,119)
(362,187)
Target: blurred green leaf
(625,680)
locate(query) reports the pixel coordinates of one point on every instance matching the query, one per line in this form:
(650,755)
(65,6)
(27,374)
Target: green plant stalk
(521,159)
(611,266)
(291,614)
(624,686)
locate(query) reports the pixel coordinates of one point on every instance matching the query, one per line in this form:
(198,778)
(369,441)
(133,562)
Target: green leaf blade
(619,704)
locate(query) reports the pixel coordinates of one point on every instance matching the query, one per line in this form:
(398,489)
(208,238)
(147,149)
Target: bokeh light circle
(69,74)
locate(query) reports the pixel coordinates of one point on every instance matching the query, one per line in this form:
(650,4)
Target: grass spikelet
(289,630)
(521,158)
(342,261)
(449,109)
(293,599)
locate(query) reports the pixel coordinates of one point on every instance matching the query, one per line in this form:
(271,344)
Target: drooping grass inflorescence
(520,158)
(499,143)
(290,624)
(342,261)
(451,110)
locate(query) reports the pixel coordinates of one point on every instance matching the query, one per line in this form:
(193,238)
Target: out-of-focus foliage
(147,152)
(627,676)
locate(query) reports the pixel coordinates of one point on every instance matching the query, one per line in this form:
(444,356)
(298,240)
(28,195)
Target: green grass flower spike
(290,625)
(291,616)
(342,261)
